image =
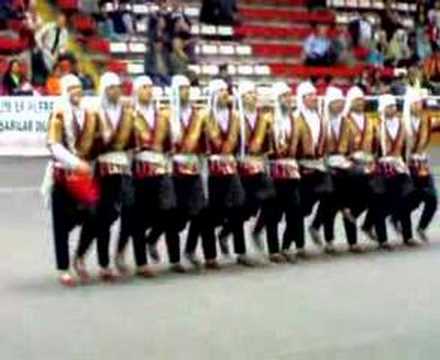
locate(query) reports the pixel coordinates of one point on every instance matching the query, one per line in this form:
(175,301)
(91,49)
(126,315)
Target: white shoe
(316,236)
(258,240)
(422,235)
(154,253)
(194,260)
(330,248)
(120,265)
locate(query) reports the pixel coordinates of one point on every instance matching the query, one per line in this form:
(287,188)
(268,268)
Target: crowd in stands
(379,39)
(171,46)
(382,40)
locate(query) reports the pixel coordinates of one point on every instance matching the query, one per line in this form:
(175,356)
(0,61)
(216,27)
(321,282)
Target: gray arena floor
(372,306)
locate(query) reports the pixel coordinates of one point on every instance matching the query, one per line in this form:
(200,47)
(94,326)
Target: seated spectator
(53,84)
(13,79)
(157,63)
(397,50)
(390,20)
(423,45)
(52,40)
(317,49)
(160,26)
(376,56)
(341,45)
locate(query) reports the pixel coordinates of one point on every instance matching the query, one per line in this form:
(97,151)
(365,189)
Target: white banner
(23,125)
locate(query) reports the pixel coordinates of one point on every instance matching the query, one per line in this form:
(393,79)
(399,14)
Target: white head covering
(177,82)
(67,82)
(282,124)
(333,94)
(305,88)
(311,116)
(147,112)
(64,105)
(353,93)
(214,87)
(141,81)
(412,96)
(244,87)
(385,101)
(107,80)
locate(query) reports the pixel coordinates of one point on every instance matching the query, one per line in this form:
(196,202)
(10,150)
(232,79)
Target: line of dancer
(211,168)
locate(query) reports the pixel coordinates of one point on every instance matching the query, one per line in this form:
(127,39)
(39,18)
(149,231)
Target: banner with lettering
(23,125)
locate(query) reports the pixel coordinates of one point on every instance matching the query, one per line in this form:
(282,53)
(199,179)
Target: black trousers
(286,203)
(425,193)
(226,197)
(154,200)
(190,201)
(329,205)
(396,203)
(116,201)
(66,214)
(315,187)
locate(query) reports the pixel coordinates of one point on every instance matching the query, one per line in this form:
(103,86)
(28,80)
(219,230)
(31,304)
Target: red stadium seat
(308,71)
(323,16)
(278,2)
(67,5)
(272,32)
(84,23)
(276,50)
(98,45)
(11,46)
(117,67)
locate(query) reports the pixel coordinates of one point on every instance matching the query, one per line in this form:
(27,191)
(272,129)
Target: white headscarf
(222,118)
(282,124)
(333,94)
(412,96)
(384,102)
(147,112)
(244,87)
(64,105)
(107,80)
(354,93)
(311,116)
(177,82)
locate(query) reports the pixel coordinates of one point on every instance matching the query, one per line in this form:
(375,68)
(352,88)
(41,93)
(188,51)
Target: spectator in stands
(53,84)
(122,19)
(390,20)
(105,25)
(159,26)
(434,25)
(182,39)
(423,45)
(223,74)
(87,83)
(13,79)
(157,63)
(341,45)
(376,56)
(52,40)
(398,50)
(317,48)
